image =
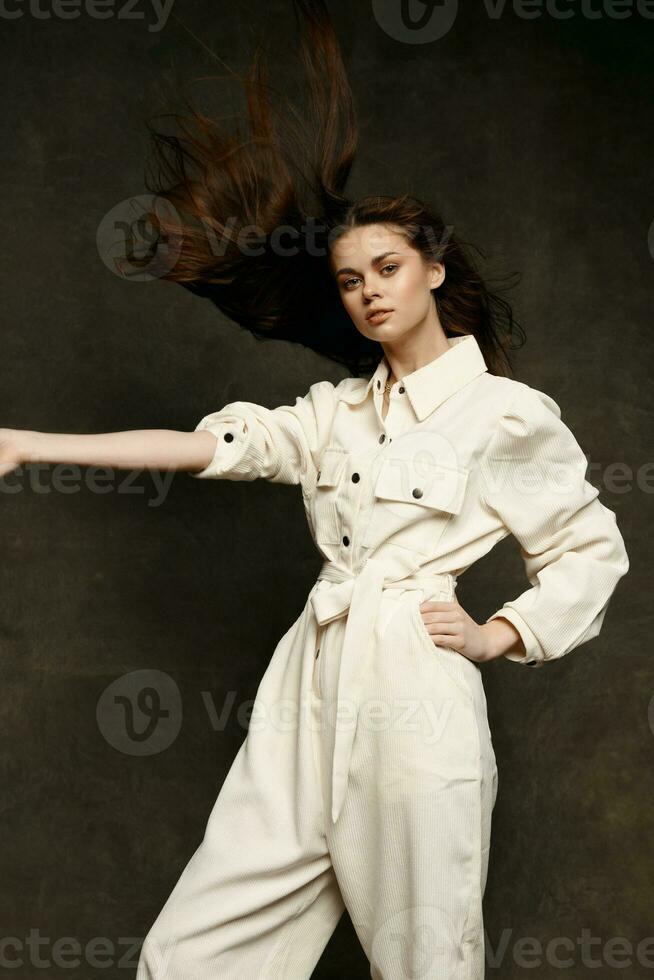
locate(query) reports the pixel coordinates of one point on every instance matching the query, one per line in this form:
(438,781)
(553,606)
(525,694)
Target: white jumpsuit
(367,777)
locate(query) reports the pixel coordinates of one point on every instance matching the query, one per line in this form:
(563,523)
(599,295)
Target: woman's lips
(378,318)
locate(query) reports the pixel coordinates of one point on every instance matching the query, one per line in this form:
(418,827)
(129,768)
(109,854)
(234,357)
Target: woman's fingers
(430,605)
(436,623)
(445,617)
(442,620)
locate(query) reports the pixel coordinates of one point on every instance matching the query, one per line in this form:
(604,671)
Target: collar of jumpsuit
(357,594)
(430,385)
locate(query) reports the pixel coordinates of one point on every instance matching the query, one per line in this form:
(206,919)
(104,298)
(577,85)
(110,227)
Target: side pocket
(317,666)
(446,657)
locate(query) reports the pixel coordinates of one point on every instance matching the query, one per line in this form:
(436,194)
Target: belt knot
(358,594)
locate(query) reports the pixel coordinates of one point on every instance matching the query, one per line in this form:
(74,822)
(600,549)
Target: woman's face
(376,269)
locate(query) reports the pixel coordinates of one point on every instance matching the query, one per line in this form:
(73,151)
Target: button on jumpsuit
(367,777)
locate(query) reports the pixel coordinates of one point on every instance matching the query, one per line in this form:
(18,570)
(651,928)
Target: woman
(375,792)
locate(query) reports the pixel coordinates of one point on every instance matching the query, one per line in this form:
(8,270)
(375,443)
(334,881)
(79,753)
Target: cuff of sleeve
(231,447)
(534,654)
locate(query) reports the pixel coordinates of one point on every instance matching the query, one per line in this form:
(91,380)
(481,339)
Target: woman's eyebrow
(377,259)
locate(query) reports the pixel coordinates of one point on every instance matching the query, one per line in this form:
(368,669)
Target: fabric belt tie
(358,595)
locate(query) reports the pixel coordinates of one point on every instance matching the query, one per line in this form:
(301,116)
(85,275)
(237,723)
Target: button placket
(366,502)
(348,506)
(357,500)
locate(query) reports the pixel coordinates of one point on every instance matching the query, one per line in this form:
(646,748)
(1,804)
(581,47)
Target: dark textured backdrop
(536,136)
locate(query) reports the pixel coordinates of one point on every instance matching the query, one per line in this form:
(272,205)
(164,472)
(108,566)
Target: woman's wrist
(502,637)
(19,445)
(28,443)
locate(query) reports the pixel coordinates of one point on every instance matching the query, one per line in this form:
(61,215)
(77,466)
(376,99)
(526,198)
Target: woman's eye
(347,282)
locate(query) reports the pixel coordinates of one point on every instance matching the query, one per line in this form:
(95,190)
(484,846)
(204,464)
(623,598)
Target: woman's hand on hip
(449,625)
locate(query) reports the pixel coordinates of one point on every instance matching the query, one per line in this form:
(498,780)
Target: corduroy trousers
(408,854)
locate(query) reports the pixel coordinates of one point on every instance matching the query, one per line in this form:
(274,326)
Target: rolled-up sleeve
(276,444)
(574,554)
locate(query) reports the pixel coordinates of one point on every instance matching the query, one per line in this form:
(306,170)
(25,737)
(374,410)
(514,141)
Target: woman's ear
(437,275)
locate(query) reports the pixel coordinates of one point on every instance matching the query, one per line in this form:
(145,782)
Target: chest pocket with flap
(326,517)
(414,501)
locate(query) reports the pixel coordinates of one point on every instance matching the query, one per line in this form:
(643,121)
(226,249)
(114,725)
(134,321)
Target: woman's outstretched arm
(240,441)
(157,449)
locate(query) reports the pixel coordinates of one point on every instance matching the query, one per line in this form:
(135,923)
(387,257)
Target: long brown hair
(232,198)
